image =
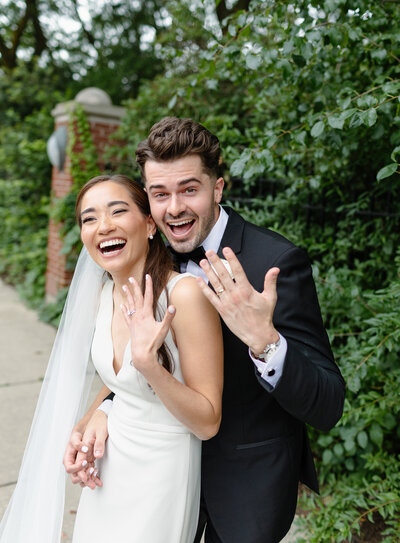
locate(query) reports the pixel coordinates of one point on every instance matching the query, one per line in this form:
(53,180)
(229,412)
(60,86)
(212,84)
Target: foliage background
(305,99)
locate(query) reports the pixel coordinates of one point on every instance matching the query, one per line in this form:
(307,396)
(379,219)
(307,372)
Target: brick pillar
(104,119)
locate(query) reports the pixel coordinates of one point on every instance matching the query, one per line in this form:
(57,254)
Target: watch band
(269,350)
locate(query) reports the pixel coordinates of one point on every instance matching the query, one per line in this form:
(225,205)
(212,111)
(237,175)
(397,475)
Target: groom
(279,368)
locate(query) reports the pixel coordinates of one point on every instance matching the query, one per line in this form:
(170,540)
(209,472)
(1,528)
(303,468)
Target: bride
(156,343)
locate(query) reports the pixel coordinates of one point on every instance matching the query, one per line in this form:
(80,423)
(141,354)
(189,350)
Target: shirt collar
(213,240)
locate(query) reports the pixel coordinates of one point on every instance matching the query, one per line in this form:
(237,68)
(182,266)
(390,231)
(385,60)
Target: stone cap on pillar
(96,104)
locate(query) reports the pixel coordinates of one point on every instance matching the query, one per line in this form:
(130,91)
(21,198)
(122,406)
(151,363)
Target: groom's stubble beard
(202,228)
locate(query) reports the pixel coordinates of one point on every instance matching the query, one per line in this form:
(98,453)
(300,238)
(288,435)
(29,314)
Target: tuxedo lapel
(233,235)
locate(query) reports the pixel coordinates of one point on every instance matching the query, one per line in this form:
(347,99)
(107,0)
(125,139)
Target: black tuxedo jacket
(251,468)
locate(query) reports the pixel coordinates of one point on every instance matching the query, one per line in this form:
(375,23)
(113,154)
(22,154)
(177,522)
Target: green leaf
(211,69)
(338,450)
(395,151)
(286,67)
(347,113)
(389,421)
(376,434)
(349,445)
(313,35)
(379,54)
(362,439)
(237,167)
(386,171)
(253,61)
(287,47)
(335,36)
(327,457)
(344,102)
(300,137)
(172,102)
(355,120)
(369,117)
(232,30)
(241,20)
(317,129)
(354,383)
(314,182)
(392,87)
(335,122)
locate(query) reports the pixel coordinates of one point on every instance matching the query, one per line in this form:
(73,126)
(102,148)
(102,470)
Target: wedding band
(220,291)
(130,313)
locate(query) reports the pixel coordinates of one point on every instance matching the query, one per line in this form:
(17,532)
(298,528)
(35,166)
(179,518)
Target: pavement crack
(3,485)
(18,383)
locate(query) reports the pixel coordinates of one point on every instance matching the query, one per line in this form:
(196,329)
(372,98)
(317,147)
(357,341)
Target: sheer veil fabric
(35,511)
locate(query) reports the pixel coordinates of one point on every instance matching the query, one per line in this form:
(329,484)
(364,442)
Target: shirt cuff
(105,407)
(272,370)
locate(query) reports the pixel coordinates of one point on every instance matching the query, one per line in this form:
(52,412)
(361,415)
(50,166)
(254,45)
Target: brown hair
(158,262)
(173,138)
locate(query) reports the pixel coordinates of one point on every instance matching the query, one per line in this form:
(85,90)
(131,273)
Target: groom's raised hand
(246,312)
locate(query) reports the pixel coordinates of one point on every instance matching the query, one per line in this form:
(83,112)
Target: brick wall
(57,276)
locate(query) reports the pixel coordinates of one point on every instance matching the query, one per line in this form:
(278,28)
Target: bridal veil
(35,512)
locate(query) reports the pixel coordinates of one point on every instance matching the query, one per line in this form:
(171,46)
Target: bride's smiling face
(113,229)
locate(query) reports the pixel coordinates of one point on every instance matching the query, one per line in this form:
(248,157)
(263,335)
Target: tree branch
(6,55)
(40,38)
(87,33)
(223,11)
(9,54)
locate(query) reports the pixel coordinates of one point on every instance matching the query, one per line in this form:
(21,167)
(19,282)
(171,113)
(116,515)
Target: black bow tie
(196,255)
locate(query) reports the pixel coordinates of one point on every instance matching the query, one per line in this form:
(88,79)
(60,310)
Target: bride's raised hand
(147,334)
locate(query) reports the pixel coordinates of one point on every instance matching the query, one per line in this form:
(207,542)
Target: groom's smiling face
(183,200)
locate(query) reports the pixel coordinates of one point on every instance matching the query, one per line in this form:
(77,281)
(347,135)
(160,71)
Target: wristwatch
(269,350)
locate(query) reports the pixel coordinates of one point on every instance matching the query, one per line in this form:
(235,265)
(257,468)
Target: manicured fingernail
(84,449)
(97,453)
(131,279)
(95,473)
(147,276)
(124,288)
(91,471)
(171,310)
(84,463)
(121,306)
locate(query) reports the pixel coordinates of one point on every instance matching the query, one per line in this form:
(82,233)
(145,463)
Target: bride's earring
(151,236)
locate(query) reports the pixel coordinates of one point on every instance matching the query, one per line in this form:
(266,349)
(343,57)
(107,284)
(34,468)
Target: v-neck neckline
(109,333)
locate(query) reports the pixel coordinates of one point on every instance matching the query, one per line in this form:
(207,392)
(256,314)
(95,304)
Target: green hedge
(306,96)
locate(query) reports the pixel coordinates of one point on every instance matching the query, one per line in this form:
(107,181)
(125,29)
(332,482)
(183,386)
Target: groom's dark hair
(173,138)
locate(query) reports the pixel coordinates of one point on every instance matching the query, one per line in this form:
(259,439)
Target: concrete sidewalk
(25,347)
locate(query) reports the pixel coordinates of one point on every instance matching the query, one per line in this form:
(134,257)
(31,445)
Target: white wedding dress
(151,467)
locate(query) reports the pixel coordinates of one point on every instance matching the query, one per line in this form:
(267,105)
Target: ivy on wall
(83,165)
